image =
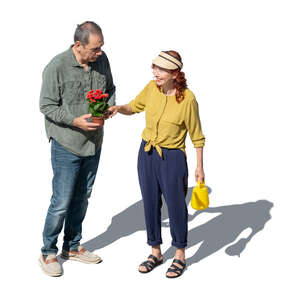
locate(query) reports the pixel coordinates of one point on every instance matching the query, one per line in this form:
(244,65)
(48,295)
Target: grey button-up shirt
(63,97)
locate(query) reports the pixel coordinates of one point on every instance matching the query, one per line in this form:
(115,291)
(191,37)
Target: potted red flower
(97,105)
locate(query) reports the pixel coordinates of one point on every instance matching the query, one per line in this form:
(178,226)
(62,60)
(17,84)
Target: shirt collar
(75,63)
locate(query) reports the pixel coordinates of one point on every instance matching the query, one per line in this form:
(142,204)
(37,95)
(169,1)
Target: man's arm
(50,99)
(51,104)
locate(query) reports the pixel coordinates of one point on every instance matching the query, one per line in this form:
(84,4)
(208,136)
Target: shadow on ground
(221,231)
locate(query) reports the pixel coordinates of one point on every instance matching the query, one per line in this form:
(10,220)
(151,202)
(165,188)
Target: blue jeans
(72,185)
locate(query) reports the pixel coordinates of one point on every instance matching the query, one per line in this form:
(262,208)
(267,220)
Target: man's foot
(82,255)
(149,264)
(50,265)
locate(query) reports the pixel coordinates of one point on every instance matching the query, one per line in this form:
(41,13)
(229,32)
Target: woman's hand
(122,109)
(200,175)
(111,111)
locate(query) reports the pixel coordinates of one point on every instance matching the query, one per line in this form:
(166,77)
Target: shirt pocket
(72,92)
(171,125)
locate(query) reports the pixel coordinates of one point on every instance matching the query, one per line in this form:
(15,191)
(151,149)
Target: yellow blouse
(167,121)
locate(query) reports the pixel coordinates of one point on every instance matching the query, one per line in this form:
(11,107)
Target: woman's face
(162,76)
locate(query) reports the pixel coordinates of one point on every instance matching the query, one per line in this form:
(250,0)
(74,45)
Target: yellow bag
(200,197)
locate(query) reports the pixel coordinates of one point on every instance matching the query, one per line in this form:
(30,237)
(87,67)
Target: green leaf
(97,106)
(102,107)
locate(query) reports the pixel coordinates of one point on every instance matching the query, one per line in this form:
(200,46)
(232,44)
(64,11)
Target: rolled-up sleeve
(138,104)
(193,124)
(50,100)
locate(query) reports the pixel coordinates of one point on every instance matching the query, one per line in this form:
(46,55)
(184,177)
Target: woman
(171,111)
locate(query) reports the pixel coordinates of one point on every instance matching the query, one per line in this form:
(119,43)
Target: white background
(237,59)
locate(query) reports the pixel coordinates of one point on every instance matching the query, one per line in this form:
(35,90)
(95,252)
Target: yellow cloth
(167,121)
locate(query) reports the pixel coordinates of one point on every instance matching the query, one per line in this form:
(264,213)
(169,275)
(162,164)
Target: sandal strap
(149,265)
(153,257)
(174,267)
(174,271)
(178,261)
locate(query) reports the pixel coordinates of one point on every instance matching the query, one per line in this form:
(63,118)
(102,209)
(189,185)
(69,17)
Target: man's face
(91,51)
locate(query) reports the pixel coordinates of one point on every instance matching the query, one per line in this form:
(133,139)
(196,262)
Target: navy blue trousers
(167,176)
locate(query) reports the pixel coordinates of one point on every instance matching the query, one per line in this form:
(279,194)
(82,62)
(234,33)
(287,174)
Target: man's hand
(82,123)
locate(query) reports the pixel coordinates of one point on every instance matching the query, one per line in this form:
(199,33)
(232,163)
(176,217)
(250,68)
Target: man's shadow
(128,222)
(213,235)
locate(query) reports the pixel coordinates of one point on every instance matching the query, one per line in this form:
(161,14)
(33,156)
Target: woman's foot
(153,261)
(178,264)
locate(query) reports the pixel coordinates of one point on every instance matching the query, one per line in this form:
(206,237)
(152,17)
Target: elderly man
(75,141)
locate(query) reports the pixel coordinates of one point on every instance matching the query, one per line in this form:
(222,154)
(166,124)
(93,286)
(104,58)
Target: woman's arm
(135,106)
(193,125)
(199,174)
(125,109)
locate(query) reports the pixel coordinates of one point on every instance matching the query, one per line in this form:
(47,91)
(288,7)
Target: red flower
(94,95)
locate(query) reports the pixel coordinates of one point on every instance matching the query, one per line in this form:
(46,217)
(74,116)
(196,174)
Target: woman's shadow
(224,229)
(213,235)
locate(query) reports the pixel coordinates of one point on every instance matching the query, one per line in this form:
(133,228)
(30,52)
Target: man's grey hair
(83,30)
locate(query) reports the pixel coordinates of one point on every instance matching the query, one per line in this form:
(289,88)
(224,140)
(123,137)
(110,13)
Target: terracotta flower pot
(98,120)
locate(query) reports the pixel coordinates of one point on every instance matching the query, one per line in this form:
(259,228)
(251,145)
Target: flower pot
(98,120)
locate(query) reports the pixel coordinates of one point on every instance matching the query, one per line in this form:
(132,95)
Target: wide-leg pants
(167,176)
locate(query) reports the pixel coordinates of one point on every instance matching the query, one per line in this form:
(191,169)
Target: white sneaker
(82,255)
(50,265)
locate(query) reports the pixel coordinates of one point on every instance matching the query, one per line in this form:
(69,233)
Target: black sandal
(175,269)
(150,265)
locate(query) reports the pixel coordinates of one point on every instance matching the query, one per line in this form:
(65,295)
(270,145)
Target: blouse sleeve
(193,124)
(138,104)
